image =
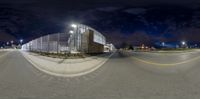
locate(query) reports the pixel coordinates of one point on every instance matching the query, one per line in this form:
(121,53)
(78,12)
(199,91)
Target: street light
(7,43)
(163,43)
(75,36)
(21,41)
(183,42)
(71,32)
(11,42)
(74,25)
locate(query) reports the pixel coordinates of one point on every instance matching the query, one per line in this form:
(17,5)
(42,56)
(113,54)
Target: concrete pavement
(121,77)
(66,67)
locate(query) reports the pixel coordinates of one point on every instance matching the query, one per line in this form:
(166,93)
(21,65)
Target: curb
(81,73)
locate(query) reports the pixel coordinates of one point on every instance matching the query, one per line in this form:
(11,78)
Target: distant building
(166,45)
(109,48)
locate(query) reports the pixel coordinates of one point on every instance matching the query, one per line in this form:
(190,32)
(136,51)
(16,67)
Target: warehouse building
(80,39)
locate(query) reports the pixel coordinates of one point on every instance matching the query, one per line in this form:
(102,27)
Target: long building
(80,39)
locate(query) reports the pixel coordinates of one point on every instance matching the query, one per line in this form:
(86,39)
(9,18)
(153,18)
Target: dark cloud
(6,37)
(108,9)
(72,4)
(136,11)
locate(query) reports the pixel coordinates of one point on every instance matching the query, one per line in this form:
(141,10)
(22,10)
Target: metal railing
(52,43)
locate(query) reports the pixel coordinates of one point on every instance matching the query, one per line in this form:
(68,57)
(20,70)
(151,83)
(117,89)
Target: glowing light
(163,43)
(71,32)
(7,43)
(21,40)
(183,42)
(74,25)
(11,42)
(143,46)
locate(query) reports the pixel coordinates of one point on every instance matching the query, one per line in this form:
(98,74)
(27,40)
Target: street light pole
(183,44)
(21,41)
(74,36)
(11,42)
(163,44)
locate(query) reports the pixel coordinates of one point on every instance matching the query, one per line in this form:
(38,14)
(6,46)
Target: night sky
(131,21)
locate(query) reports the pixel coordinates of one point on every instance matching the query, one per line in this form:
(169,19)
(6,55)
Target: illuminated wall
(83,39)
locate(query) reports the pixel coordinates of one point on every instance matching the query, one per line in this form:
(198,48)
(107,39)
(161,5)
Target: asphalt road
(133,75)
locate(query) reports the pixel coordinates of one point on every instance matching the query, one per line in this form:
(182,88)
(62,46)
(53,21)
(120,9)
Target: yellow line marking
(160,64)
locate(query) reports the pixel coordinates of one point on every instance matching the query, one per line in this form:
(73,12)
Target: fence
(77,40)
(53,43)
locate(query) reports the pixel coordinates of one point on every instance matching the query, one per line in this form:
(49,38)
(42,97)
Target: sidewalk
(4,50)
(66,67)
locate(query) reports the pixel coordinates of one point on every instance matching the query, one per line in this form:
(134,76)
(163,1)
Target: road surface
(136,75)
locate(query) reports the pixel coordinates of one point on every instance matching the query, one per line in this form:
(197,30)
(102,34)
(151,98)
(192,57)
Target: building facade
(81,39)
